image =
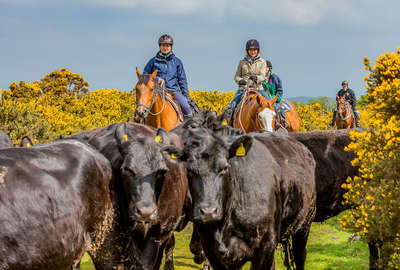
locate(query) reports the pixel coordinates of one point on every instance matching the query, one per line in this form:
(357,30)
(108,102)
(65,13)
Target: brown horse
(344,115)
(257,114)
(152,106)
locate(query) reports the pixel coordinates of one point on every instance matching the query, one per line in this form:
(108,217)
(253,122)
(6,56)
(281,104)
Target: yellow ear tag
(173,156)
(125,137)
(224,123)
(240,151)
(158,139)
(28,145)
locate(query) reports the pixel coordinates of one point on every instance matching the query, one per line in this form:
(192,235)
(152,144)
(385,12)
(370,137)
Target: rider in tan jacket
(250,73)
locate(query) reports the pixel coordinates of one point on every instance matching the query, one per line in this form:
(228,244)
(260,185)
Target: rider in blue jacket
(170,71)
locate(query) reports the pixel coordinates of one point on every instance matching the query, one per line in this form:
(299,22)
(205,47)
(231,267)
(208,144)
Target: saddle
(169,96)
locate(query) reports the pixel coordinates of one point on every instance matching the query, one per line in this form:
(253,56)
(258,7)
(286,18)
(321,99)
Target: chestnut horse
(344,115)
(257,114)
(152,105)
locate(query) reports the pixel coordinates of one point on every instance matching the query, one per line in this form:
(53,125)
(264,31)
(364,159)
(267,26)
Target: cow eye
(223,170)
(128,172)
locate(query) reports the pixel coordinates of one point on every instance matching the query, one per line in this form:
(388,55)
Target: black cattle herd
(119,193)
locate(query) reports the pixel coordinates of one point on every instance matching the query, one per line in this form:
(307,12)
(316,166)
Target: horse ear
(154,74)
(138,72)
(120,133)
(162,136)
(25,142)
(258,99)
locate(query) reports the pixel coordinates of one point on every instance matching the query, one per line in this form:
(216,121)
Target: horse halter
(343,105)
(147,108)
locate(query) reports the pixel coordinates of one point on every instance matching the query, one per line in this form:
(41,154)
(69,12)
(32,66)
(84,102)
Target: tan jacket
(245,70)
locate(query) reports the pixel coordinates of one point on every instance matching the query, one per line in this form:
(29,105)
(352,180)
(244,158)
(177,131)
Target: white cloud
(301,12)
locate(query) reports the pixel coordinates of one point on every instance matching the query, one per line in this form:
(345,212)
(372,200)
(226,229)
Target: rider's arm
(353,98)
(261,76)
(279,89)
(148,69)
(183,85)
(238,74)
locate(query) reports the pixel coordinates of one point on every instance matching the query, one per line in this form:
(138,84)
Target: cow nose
(208,212)
(147,212)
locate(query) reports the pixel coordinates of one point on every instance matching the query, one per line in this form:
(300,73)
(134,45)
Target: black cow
(54,204)
(249,194)
(5,141)
(148,192)
(333,167)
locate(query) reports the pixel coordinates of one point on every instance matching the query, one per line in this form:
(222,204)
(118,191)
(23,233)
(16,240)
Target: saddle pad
(171,99)
(286,106)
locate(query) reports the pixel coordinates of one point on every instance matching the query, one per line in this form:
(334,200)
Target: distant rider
(250,72)
(351,98)
(171,73)
(273,86)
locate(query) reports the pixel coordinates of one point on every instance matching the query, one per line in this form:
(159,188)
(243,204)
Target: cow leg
(151,251)
(299,246)
(374,250)
(169,253)
(196,248)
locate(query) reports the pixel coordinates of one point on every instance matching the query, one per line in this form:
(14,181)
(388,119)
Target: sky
(313,44)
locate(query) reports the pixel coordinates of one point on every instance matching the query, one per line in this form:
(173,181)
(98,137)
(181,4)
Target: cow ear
(138,73)
(162,136)
(173,153)
(240,147)
(25,142)
(120,133)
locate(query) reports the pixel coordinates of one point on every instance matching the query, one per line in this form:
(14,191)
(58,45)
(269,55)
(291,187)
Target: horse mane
(144,78)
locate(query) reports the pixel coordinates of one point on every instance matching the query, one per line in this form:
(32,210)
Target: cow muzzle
(145,213)
(208,214)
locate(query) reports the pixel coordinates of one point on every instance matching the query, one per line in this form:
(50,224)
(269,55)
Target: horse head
(145,93)
(266,112)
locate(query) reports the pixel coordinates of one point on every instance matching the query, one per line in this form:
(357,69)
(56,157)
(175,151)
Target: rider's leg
(187,111)
(358,117)
(277,114)
(236,99)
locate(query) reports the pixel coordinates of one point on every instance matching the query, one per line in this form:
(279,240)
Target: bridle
(158,89)
(343,107)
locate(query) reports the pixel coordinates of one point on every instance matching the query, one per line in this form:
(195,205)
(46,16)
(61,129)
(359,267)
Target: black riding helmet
(252,44)
(165,39)
(269,64)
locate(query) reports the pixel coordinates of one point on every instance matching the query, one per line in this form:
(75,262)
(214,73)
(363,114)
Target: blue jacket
(170,68)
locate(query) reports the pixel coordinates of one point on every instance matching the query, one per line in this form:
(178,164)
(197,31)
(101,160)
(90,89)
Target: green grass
(328,249)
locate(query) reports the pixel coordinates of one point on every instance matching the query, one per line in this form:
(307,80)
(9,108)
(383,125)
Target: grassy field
(328,248)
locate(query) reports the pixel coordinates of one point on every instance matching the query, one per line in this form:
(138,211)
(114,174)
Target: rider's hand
(160,81)
(253,78)
(242,82)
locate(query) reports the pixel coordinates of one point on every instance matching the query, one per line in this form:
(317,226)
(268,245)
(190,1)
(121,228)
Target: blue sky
(312,44)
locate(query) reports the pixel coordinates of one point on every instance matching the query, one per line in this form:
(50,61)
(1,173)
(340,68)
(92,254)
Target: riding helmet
(269,64)
(165,39)
(252,44)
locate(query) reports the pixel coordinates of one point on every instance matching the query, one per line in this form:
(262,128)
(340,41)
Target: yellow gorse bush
(60,104)
(375,193)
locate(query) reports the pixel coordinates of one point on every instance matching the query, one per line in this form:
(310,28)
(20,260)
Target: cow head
(143,170)
(208,164)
